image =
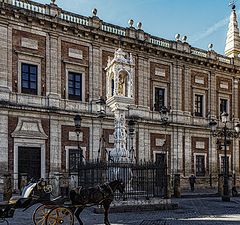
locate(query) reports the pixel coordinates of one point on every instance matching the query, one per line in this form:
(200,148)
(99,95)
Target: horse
(101,195)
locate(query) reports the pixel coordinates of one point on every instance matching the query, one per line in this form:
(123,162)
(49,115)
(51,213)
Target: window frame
(23,58)
(29,90)
(200,168)
(157,107)
(226,105)
(196,107)
(74,96)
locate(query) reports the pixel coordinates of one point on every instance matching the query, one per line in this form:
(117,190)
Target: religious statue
(121,85)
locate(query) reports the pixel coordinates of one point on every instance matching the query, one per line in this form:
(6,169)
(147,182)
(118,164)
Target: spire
(232,48)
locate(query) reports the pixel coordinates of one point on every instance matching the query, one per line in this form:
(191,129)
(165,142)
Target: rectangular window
(29,78)
(159,98)
(223,105)
(75,86)
(200,165)
(198,105)
(74,160)
(223,164)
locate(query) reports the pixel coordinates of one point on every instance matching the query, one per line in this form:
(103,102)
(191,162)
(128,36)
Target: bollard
(168,188)
(7,188)
(220,184)
(177,190)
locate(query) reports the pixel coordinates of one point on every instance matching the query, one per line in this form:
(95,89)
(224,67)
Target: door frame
(19,142)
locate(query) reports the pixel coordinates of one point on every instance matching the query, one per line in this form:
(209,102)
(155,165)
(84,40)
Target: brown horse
(100,195)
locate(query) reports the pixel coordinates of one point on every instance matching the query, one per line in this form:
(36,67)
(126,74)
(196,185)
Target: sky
(202,21)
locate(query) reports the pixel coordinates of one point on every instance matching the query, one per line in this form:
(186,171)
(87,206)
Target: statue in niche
(121,83)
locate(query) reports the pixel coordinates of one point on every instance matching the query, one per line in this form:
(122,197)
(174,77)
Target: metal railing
(142,180)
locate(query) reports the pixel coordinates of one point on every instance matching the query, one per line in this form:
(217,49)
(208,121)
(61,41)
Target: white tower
(232,48)
(120,94)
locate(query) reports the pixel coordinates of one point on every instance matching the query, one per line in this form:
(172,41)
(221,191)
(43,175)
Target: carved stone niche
(29,128)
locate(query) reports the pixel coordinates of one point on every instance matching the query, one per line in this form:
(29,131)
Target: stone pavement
(192,211)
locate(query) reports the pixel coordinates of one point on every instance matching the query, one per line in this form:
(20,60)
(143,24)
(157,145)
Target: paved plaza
(197,211)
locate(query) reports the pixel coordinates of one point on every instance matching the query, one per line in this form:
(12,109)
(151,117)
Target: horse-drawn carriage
(60,210)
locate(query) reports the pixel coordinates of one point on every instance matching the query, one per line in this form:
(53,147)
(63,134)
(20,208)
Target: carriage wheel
(60,215)
(40,215)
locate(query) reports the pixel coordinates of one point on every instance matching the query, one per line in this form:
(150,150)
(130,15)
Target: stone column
(188,152)
(4,89)
(55,144)
(120,136)
(4,143)
(52,68)
(95,73)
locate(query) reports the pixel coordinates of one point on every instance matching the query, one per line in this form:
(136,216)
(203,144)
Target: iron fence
(142,180)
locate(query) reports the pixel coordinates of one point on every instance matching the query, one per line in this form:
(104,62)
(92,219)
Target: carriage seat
(25,197)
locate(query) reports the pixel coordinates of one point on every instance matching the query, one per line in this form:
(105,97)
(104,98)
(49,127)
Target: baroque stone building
(53,67)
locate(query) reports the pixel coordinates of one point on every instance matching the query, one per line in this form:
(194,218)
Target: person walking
(192,181)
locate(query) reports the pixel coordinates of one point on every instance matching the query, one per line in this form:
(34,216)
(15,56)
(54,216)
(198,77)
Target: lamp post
(101,103)
(225,133)
(77,122)
(131,125)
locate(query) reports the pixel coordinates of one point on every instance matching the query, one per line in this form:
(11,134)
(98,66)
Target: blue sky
(203,21)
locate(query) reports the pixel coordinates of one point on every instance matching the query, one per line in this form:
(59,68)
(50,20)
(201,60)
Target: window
(29,78)
(198,105)
(159,98)
(75,86)
(223,164)
(74,160)
(200,165)
(223,105)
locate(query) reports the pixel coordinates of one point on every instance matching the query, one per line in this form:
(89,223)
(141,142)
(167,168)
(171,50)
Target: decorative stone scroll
(200,144)
(159,142)
(224,85)
(199,80)
(29,43)
(75,53)
(72,136)
(160,72)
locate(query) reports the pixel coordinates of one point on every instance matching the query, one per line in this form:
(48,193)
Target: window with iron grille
(200,165)
(198,105)
(223,164)
(75,86)
(223,105)
(159,98)
(74,160)
(29,79)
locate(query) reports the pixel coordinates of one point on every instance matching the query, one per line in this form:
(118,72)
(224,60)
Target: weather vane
(232,3)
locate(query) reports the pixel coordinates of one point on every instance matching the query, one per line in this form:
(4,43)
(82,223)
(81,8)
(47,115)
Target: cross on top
(232,3)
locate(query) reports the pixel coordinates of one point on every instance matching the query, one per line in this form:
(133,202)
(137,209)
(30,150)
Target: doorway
(29,163)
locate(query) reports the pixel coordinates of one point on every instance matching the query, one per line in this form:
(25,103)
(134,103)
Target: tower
(232,48)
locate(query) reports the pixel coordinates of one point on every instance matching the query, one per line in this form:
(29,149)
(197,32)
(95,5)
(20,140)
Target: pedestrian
(234,191)
(192,181)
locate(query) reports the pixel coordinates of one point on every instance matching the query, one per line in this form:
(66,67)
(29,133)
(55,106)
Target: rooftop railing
(159,42)
(74,18)
(106,27)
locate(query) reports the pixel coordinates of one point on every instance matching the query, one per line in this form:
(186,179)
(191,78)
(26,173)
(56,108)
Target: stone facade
(59,42)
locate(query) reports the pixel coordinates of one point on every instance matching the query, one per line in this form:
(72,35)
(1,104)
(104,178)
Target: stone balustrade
(106,27)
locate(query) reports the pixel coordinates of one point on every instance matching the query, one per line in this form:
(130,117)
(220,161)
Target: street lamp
(101,103)
(77,122)
(164,115)
(131,125)
(225,133)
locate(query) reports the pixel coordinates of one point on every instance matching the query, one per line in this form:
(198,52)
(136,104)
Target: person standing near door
(192,181)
